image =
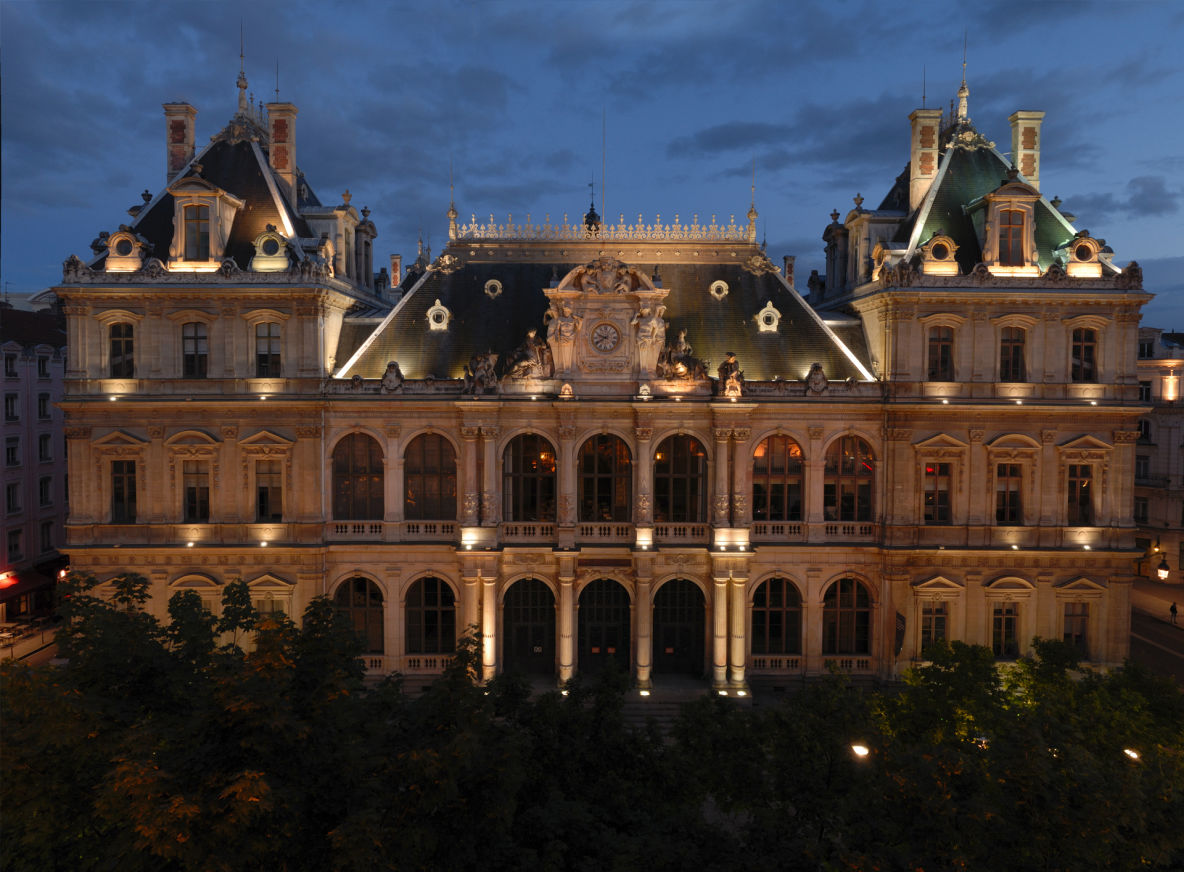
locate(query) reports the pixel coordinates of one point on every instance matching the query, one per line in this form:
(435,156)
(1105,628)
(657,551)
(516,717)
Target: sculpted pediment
(119,439)
(606,275)
(1081,584)
(937,584)
(265,438)
(1086,443)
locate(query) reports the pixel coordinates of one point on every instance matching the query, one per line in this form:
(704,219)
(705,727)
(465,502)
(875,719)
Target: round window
(438,317)
(1083,252)
(940,251)
(271,246)
(123,247)
(768,319)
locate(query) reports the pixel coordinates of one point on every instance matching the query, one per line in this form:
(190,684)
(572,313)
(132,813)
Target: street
(1158,645)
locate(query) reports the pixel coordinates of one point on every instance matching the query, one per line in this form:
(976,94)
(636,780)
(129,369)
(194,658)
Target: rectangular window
(1142,466)
(1144,392)
(933,623)
(1084,355)
(937,493)
(1146,349)
(12,407)
(1144,430)
(1011,237)
(43,411)
(941,354)
(12,451)
(12,498)
(195,350)
(45,447)
(197,232)
(1011,355)
(267,350)
(1009,510)
(42,367)
(269,490)
(1077,627)
(197,490)
(45,490)
(10,365)
(123,347)
(1005,631)
(1141,510)
(123,492)
(16,548)
(1081,502)
(46,536)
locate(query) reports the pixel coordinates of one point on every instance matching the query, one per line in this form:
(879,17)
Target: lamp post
(1163,569)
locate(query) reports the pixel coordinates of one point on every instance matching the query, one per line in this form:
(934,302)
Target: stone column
(719,634)
(488,629)
(228,505)
(153,506)
(393,483)
(1049,487)
(567,476)
(974,482)
(490,502)
(721,505)
(738,636)
(470,604)
(86,481)
(567,615)
(470,489)
(644,485)
(812,622)
(644,616)
(741,477)
(814,470)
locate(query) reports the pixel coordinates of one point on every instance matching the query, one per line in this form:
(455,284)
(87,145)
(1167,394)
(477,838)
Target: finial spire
(277,80)
(922,86)
(963,91)
(242,75)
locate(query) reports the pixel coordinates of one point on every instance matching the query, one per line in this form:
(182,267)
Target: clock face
(605,337)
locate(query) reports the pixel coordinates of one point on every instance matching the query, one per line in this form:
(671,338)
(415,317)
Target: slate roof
(714,327)
(32,328)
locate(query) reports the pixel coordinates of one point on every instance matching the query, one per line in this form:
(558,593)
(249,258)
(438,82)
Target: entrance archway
(603,628)
(679,628)
(528,628)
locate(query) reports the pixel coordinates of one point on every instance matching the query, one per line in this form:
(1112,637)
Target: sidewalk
(1154,598)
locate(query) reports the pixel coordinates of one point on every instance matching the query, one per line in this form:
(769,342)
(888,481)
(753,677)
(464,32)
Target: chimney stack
(789,259)
(179,136)
(281,122)
(923,155)
(396,270)
(1025,144)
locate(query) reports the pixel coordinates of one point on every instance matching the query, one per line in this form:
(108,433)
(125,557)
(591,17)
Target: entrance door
(603,628)
(528,625)
(679,628)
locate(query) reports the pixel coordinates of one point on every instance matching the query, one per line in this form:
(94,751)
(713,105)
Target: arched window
(846,618)
(195,350)
(123,347)
(680,481)
(360,600)
(606,479)
(429,479)
(847,485)
(357,479)
(777,480)
(430,617)
(777,618)
(528,479)
(267,350)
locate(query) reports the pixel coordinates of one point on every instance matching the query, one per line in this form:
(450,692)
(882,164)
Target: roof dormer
(271,251)
(1005,221)
(1082,256)
(203,214)
(937,256)
(125,250)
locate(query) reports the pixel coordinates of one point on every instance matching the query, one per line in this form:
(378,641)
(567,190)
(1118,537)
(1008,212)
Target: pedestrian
(1172,612)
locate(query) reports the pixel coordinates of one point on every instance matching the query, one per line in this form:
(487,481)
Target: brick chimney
(281,120)
(396,270)
(179,136)
(788,260)
(1025,144)
(923,154)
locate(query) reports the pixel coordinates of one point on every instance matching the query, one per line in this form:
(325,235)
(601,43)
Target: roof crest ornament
(963,91)
(713,232)
(242,75)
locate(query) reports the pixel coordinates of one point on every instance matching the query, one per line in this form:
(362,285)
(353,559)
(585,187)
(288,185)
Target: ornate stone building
(624,441)
(1159,456)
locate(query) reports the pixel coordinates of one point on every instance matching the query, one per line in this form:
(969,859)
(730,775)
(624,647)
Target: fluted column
(719,635)
(490,503)
(720,516)
(488,629)
(738,635)
(645,633)
(567,615)
(644,463)
(470,488)
(567,476)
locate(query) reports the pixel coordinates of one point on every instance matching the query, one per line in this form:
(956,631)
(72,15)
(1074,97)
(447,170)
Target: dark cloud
(1147,196)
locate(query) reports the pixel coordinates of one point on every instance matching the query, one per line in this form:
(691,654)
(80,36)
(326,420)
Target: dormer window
(125,251)
(1011,237)
(202,217)
(271,251)
(937,256)
(197,232)
(1005,221)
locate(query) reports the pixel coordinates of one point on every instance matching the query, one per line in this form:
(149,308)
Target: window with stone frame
(121,361)
(358,476)
(43,410)
(45,491)
(1076,628)
(846,618)
(529,484)
(848,480)
(1142,467)
(16,547)
(941,354)
(1011,237)
(934,623)
(42,367)
(680,480)
(360,600)
(197,232)
(45,447)
(269,491)
(777,480)
(10,366)
(1080,507)
(1142,510)
(12,407)
(196,487)
(430,618)
(267,350)
(123,492)
(1012,367)
(429,479)
(1144,392)
(605,470)
(47,536)
(1009,494)
(12,497)
(776,618)
(936,486)
(1084,355)
(195,350)
(1005,630)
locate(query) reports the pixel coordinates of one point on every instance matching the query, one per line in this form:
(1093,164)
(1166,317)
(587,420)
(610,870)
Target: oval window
(270,246)
(1083,252)
(941,251)
(123,247)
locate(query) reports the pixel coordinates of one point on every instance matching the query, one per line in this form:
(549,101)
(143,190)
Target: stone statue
(731,377)
(563,325)
(651,329)
(392,379)
(480,377)
(678,362)
(531,359)
(816,381)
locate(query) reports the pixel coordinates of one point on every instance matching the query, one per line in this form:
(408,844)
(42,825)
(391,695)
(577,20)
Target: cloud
(1147,196)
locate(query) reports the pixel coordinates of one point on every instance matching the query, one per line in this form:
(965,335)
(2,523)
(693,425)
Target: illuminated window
(680,481)
(848,480)
(937,493)
(528,479)
(777,480)
(606,479)
(934,614)
(1081,505)
(195,350)
(358,479)
(1084,355)
(267,350)
(196,475)
(1009,509)
(197,232)
(269,490)
(777,618)
(123,492)
(1011,237)
(430,617)
(941,354)
(429,479)
(1005,627)
(1076,631)
(846,618)
(1011,354)
(122,358)
(360,600)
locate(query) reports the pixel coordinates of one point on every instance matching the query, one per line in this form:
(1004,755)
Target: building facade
(1159,455)
(622,442)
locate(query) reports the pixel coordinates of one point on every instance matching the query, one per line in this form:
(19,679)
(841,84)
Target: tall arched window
(430,617)
(848,482)
(195,350)
(846,618)
(123,346)
(680,480)
(528,479)
(360,600)
(777,480)
(429,479)
(357,479)
(777,618)
(606,479)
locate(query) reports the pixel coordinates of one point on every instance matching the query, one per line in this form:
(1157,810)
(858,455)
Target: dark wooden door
(603,627)
(679,628)
(528,624)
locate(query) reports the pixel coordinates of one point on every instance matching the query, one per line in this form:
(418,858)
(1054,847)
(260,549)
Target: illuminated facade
(603,441)
(1159,455)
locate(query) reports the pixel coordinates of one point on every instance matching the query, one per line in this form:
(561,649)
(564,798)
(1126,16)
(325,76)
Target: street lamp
(1163,569)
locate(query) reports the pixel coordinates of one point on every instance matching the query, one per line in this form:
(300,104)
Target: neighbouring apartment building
(1159,454)
(627,442)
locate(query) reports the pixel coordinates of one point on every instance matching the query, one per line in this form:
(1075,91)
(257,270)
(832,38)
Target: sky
(667,106)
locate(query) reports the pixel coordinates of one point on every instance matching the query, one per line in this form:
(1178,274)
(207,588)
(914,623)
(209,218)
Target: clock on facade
(605,337)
